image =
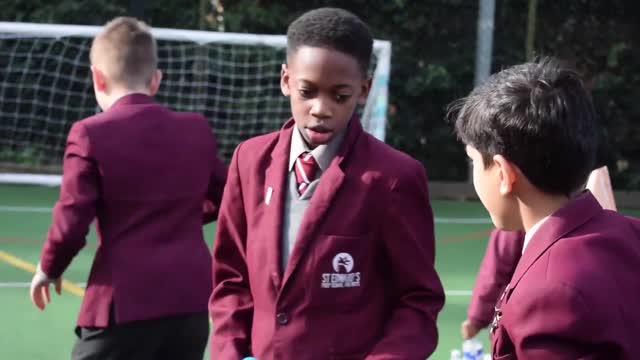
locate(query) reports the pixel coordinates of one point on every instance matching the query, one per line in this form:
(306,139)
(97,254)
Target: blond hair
(126,52)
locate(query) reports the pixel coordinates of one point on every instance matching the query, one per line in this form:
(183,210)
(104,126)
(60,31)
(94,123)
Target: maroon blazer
(576,289)
(500,259)
(143,172)
(360,282)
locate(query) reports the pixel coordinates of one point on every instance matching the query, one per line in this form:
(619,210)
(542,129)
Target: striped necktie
(305,169)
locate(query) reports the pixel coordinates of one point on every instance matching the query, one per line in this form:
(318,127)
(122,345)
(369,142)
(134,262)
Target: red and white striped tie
(305,169)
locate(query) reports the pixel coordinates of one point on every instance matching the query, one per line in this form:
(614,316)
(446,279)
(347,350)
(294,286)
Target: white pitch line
(438,220)
(457,292)
(14,285)
(27,209)
(463,221)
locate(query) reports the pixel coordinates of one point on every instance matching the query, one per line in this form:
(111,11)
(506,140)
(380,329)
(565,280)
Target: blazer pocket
(342,269)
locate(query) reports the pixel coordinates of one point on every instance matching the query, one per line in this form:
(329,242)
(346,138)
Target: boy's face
(324,86)
(493,184)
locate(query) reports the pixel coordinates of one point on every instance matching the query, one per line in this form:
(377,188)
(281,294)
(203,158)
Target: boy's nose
(321,109)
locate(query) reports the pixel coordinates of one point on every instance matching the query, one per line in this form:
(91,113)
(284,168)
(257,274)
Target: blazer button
(282,318)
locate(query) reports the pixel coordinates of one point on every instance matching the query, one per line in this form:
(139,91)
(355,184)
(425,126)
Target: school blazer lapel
(275,189)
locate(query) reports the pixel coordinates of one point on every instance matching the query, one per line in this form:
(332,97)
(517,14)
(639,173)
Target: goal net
(233,79)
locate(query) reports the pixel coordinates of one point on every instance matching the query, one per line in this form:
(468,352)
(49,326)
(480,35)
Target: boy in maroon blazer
(501,257)
(325,245)
(145,173)
(530,131)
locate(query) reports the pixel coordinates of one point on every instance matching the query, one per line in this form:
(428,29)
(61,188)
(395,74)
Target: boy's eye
(342,97)
(305,93)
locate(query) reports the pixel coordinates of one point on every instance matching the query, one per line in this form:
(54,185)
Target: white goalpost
(233,79)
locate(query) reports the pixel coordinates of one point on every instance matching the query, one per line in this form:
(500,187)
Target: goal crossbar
(374,114)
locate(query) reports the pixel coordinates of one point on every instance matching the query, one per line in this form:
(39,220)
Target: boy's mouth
(319,134)
(319,129)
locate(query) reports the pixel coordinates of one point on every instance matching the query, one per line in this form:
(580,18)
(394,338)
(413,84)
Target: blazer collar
(577,212)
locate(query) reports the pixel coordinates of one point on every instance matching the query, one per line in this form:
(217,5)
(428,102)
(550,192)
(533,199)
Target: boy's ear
(154,86)
(508,173)
(98,78)
(366,88)
(284,80)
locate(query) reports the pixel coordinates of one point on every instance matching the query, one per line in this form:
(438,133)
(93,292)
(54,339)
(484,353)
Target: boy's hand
(469,329)
(40,288)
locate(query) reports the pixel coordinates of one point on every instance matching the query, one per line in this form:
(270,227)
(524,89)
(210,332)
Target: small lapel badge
(497,313)
(267,197)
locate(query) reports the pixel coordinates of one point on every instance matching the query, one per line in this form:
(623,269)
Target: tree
(433,56)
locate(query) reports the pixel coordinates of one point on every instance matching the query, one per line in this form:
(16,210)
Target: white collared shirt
(532,231)
(322,153)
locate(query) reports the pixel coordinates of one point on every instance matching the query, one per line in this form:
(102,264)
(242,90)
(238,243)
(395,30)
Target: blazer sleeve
(76,207)
(217,181)
(231,303)
(408,237)
(500,259)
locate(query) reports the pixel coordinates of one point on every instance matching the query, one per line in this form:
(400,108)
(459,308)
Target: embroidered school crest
(343,277)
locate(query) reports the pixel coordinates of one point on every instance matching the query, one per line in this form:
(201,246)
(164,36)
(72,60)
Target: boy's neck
(537,206)
(117,94)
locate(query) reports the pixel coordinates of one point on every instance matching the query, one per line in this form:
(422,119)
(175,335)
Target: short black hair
(539,116)
(335,29)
